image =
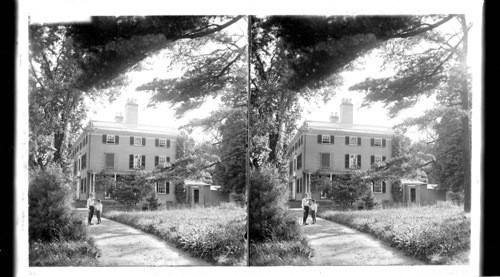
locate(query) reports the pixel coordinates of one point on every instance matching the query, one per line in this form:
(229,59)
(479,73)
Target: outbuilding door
(196,196)
(413,194)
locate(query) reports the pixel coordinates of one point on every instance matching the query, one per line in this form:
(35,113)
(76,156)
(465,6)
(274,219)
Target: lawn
(214,234)
(437,234)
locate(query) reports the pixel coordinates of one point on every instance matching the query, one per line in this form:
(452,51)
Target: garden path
(122,245)
(334,244)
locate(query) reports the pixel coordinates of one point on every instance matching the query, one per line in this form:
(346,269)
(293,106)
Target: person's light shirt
(314,207)
(90,202)
(305,203)
(98,207)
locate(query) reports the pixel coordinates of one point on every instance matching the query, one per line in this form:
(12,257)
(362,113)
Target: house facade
(337,147)
(120,148)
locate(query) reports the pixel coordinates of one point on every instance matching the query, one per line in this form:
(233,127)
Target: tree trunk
(464,95)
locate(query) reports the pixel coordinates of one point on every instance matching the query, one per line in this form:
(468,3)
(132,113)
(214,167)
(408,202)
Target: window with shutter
(110,139)
(359,141)
(117,139)
(325,139)
(383,187)
(156,160)
(372,142)
(346,140)
(84,161)
(299,161)
(143,141)
(168,143)
(378,159)
(137,141)
(167,187)
(332,139)
(131,140)
(143,161)
(131,161)
(377,142)
(383,142)
(320,137)
(359,161)
(346,160)
(161,187)
(377,187)
(353,141)
(372,159)
(353,161)
(157,142)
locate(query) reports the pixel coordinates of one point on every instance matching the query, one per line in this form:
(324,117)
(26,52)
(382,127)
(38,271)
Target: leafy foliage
(269,217)
(131,189)
(152,201)
(347,189)
(397,191)
(50,201)
(320,181)
(104,183)
(180,192)
(63,253)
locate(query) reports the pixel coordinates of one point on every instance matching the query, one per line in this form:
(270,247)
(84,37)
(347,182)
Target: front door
(413,194)
(196,196)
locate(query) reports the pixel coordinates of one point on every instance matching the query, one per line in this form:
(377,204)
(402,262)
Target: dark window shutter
(372,159)
(320,138)
(168,143)
(117,139)
(143,161)
(332,139)
(346,160)
(167,187)
(291,168)
(383,186)
(359,141)
(359,161)
(383,158)
(157,160)
(168,159)
(103,138)
(383,142)
(143,141)
(131,162)
(131,140)
(372,142)
(373,186)
(346,140)
(157,142)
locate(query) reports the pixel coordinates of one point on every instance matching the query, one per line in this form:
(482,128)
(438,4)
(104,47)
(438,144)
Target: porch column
(93,182)
(308,177)
(115,177)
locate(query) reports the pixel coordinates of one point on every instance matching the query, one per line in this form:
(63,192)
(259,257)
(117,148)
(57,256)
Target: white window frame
(162,142)
(355,139)
(377,185)
(160,159)
(110,139)
(161,185)
(377,142)
(378,159)
(137,141)
(137,161)
(325,139)
(353,161)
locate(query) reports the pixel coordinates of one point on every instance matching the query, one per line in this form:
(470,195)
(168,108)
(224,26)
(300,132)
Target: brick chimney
(131,112)
(118,118)
(346,111)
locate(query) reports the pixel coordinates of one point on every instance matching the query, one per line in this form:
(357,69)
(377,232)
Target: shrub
(130,190)
(397,191)
(180,192)
(238,198)
(269,217)
(63,253)
(369,201)
(152,201)
(280,253)
(347,189)
(50,200)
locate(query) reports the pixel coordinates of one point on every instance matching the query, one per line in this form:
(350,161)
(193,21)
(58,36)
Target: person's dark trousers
(313,215)
(98,214)
(306,214)
(91,213)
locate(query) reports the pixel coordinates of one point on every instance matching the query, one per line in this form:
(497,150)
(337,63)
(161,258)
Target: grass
(63,253)
(214,234)
(437,234)
(280,253)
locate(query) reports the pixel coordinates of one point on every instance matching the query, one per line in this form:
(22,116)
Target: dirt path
(122,245)
(336,244)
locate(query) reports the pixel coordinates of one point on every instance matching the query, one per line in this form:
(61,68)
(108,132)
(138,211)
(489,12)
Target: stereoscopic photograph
(251,141)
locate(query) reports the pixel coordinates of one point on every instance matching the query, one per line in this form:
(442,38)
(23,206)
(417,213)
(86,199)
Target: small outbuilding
(415,191)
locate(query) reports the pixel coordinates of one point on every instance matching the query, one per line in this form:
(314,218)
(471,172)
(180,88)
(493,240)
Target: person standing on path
(313,207)
(305,207)
(98,210)
(90,206)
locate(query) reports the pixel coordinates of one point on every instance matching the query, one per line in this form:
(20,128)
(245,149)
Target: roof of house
(140,128)
(358,128)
